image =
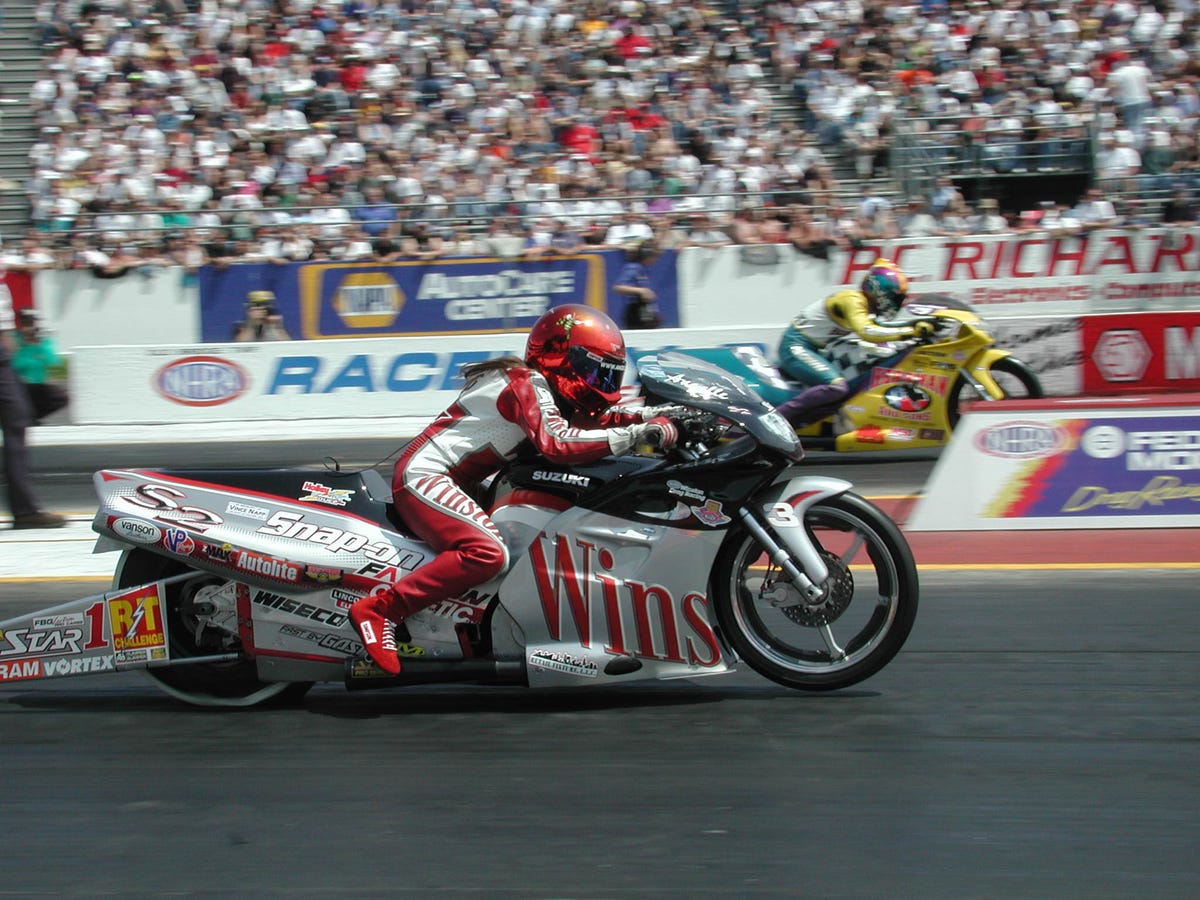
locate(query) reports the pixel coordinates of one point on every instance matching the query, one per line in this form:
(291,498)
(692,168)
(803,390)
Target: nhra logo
(201,381)
(907,397)
(1022,440)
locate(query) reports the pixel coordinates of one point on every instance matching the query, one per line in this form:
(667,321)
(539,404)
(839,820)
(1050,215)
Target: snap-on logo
(1022,440)
(201,381)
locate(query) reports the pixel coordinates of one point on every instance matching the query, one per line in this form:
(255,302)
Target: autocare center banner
(1069,464)
(449,296)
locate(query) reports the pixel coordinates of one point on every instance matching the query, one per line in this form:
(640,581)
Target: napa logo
(201,381)
(1023,440)
(368,300)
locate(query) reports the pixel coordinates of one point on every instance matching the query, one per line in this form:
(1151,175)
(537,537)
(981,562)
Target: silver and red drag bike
(233,586)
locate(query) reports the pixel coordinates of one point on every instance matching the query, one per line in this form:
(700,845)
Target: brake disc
(839,591)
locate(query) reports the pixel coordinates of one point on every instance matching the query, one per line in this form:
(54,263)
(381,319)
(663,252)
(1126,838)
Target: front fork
(776,520)
(978,373)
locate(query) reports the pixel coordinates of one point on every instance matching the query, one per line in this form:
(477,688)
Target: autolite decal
(267,566)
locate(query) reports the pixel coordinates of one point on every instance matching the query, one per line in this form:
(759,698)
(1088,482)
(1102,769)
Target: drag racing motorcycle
(233,587)
(910,396)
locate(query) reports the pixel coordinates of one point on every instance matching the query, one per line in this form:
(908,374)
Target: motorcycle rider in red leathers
(558,399)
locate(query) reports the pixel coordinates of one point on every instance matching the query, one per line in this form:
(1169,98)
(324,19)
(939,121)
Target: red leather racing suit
(492,418)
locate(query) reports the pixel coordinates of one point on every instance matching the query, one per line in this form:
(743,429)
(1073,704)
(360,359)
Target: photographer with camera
(263,321)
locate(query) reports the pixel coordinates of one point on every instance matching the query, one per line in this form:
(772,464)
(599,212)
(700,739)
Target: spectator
(917,221)
(628,231)
(1117,163)
(699,232)
(262,322)
(375,215)
(1093,211)
(503,240)
(633,286)
(463,242)
(15,417)
(989,220)
(33,361)
(807,235)
(1180,209)
(1058,221)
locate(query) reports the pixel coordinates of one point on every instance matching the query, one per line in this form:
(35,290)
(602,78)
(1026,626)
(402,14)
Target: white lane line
(53,553)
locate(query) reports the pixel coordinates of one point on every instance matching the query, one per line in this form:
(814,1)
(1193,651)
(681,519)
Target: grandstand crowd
(192,131)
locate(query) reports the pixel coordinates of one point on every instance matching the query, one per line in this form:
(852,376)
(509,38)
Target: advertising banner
(382,377)
(1068,464)
(447,296)
(1132,353)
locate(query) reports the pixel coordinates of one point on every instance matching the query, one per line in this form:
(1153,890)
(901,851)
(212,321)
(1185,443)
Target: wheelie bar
(362,674)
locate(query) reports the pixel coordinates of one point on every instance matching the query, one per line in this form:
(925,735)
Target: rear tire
(1016,379)
(864,620)
(229,684)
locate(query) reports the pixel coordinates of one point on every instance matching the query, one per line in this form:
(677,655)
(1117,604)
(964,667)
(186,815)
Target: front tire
(859,627)
(1015,378)
(230,684)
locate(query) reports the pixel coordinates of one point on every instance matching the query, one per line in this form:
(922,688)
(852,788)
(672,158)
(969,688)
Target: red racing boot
(376,630)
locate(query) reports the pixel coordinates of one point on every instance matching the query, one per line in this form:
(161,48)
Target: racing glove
(924,330)
(660,432)
(670,411)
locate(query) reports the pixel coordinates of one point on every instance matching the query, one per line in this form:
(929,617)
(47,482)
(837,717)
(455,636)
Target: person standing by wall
(633,285)
(15,416)
(35,356)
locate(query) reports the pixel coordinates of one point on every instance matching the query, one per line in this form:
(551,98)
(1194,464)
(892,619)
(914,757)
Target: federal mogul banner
(449,296)
(1069,464)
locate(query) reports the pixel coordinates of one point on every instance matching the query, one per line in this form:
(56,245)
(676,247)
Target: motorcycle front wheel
(1015,378)
(855,630)
(232,683)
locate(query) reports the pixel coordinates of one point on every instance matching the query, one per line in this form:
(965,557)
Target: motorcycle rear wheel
(867,614)
(229,684)
(1015,378)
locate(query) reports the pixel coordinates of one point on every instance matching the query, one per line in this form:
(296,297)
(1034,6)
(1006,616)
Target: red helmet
(581,352)
(885,286)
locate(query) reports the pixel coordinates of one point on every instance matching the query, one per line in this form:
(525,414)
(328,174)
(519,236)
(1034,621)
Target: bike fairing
(608,589)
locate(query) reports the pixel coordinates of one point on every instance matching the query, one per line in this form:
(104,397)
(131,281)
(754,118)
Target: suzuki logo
(1122,354)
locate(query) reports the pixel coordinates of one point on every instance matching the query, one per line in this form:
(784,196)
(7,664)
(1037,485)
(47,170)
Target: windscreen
(679,378)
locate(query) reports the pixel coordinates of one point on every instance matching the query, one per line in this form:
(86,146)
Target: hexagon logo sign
(1122,354)
(368,300)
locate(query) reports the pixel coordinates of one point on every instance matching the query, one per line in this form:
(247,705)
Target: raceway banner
(378,377)
(1137,352)
(448,296)
(1068,464)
